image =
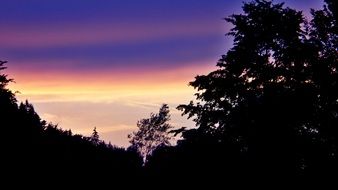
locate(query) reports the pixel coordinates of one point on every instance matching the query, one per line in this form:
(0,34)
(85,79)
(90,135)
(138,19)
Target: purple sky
(119,33)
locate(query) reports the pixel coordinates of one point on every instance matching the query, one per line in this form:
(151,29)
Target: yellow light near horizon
(103,86)
(112,102)
(99,93)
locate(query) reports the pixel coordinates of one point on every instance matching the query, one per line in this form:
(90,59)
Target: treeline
(32,147)
(270,111)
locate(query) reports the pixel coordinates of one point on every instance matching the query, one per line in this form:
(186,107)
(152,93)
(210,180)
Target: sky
(107,64)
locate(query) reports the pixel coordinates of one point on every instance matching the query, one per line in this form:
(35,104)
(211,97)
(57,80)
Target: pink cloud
(91,33)
(23,73)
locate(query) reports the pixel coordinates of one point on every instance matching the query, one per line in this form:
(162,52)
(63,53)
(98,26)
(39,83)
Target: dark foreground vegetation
(270,111)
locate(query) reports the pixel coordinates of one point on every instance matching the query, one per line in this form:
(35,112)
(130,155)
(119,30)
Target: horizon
(109,64)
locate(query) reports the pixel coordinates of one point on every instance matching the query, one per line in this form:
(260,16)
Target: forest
(269,111)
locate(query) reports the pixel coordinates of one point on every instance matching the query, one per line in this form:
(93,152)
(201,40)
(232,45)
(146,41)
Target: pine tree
(95,138)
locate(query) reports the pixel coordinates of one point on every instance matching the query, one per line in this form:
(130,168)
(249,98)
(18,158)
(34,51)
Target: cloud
(114,121)
(106,86)
(61,35)
(50,117)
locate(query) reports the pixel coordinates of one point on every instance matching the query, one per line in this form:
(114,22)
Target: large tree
(274,94)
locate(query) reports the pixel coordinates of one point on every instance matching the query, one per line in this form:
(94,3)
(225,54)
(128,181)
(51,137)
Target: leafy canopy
(152,132)
(275,91)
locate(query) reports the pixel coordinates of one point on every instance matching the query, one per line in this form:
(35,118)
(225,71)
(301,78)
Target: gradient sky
(86,63)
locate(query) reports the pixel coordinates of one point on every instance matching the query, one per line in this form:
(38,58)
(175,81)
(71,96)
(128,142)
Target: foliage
(152,132)
(4,81)
(274,94)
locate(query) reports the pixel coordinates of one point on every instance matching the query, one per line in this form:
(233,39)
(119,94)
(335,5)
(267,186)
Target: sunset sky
(87,63)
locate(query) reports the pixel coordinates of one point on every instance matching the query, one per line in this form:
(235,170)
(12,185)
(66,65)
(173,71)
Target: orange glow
(102,86)
(111,101)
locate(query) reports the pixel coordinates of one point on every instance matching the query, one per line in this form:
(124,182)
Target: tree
(324,35)
(6,96)
(8,104)
(3,78)
(95,138)
(274,93)
(152,132)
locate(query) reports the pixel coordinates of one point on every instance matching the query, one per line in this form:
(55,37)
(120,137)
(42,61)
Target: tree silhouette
(30,144)
(4,81)
(95,138)
(152,132)
(274,94)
